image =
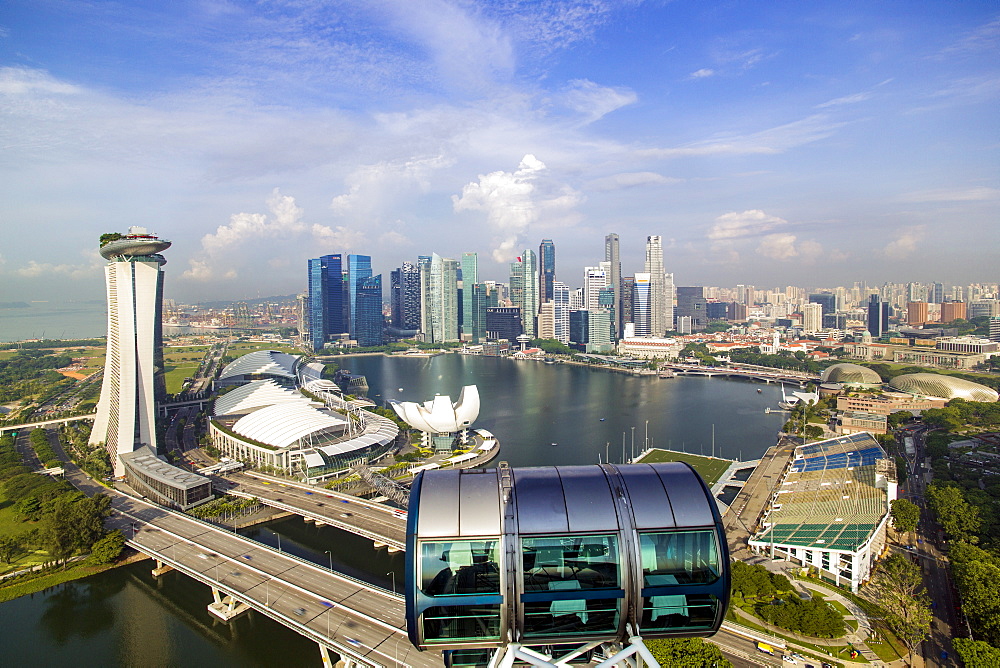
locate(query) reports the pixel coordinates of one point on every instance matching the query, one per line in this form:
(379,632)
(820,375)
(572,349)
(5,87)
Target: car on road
(299,611)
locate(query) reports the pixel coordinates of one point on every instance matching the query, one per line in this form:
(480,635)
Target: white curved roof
(945,387)
(439,415)
(270,362)
(256,394)
(284,424)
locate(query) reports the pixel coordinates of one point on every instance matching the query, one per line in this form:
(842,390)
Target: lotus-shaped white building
(439,418)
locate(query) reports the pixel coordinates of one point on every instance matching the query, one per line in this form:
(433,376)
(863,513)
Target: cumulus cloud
(783,246)
(751,223)
(41,269)
(594,101)
(631,180)
(513,201)
(905,243)
(702,73)
(250,234)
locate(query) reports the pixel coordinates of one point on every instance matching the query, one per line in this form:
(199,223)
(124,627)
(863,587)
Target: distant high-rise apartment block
(133,369)
(326,299)
(560,311)
(916,313)
(546,269)
(953,311)
(812,317)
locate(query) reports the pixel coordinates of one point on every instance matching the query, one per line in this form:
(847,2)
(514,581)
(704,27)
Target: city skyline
(764,144)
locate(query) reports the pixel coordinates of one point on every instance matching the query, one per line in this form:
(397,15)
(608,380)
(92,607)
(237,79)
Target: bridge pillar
(377,544)
(161,568)
(225,607)
(393,548)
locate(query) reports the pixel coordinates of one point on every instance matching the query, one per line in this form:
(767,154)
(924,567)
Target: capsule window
(572,584)
(459,567)
(678,569)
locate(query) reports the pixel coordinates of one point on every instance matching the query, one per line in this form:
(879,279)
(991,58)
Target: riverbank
(34,581)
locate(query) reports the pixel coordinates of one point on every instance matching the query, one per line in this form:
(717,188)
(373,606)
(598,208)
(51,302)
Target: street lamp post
(393,574)
(279,540)
(330,554)
(633,443)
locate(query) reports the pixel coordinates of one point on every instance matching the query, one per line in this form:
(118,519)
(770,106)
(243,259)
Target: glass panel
(679,611)
(459,567)
(679,558)
(557,566)
(591,561)
(462,622)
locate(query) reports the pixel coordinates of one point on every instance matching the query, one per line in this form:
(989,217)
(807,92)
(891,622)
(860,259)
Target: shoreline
(48,578)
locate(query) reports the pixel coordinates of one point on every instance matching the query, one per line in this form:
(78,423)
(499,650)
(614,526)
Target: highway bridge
(766,375)
(45,423)
(362,623)
(382,524)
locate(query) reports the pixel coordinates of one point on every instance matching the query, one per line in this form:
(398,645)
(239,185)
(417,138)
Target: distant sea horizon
(26,320)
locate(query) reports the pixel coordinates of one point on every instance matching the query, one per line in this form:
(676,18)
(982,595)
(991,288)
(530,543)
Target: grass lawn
(710,469)
(74,572)
(174,375)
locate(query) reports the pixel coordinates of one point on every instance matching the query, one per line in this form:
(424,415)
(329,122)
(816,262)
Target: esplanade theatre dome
(852,375)
(945,387)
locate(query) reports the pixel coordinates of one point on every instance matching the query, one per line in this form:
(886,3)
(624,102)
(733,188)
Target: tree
(686,653)
(976,653)
(959,519)
(979,583)
(10,548)
(905,515)
(108,548)
(897,586)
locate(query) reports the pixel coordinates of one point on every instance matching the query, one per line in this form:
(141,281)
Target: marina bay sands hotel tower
(133,370)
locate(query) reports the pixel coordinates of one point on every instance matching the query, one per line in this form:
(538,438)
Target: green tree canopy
(686,653)
(978,582)
(959,519)
(905,515)
(107,549)
(976,653)
(898,587)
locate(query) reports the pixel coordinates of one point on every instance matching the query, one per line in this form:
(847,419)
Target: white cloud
(768,142)
(41,269)
(20,81)
(513,201)
(751,223)
(978,194)
(845,100)
(905,243)
(783,246)
(702,73)
(249,237)
(631,180)
(594,101)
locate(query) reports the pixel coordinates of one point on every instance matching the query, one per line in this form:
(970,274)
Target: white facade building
(133,371)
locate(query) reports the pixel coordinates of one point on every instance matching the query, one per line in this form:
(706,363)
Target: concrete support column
(324,654)
(225,607)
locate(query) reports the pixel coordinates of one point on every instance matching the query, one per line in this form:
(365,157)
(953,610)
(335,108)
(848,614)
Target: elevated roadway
(358,621)
(382,524)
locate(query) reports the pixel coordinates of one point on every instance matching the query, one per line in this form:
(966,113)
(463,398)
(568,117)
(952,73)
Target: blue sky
(770,143)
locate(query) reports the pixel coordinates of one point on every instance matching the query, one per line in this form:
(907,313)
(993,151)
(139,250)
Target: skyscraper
(524,289)
(661,299)
(641,305)
(326,299)
(560,312)
(878,316)
(133,370)
(440,292)
(691,303)
(368,311)
(812,317)
(547,269)
(612,256)
(470,276)
(595,279)
(482,298)
(405,299)
(359,267)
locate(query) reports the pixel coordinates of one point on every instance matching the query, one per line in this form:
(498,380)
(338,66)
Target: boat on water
(759,391)
(555,444)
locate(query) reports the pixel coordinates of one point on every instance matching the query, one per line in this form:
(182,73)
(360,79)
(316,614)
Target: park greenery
(771,597)
(976,653)
(31,374)
(977,577)
(551,346)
